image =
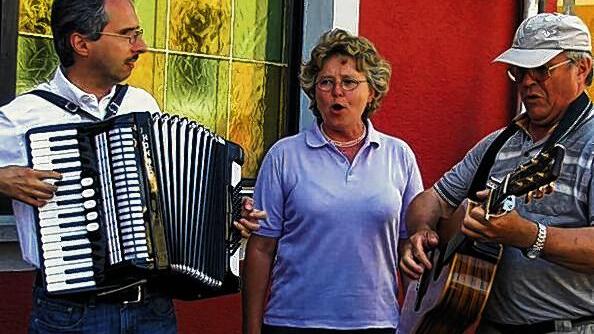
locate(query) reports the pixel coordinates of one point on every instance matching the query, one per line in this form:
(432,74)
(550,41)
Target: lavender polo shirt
(337,226)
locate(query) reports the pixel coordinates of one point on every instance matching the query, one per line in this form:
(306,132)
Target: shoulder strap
(116,100)
(73,108)
(577,112)
(481,175)
(62,102)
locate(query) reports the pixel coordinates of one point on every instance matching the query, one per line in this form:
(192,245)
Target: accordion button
(88,193)
(93,227)
(87,181)
(92,215)
(90,204)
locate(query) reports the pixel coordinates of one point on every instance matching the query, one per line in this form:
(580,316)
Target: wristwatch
(534,251)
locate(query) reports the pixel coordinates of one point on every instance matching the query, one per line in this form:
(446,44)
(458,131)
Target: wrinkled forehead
(342,59)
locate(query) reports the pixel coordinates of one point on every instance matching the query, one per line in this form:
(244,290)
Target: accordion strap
(112,107)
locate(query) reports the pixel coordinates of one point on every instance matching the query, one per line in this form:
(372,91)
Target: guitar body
(450,297)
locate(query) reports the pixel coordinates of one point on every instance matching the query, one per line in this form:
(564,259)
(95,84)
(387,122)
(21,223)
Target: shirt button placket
(349,174)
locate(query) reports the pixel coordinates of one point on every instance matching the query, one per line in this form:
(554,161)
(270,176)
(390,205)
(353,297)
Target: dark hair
(86,17)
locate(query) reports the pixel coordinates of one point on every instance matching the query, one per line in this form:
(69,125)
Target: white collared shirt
(28,111)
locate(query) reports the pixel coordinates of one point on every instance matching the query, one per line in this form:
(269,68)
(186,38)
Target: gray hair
(368,61)
(86,17)
(576,56)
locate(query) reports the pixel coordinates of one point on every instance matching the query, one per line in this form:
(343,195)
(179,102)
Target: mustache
(132,59)
(531,93)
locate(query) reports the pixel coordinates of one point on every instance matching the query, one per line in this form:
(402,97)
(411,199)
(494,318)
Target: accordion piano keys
(141,196)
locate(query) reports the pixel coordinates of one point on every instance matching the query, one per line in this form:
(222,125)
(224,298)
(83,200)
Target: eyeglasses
(540,74)
(347,84)
(133,37)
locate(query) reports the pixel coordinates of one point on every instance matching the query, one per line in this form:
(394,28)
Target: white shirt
(29,111)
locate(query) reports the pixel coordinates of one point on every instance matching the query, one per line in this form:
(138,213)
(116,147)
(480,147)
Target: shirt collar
(577,105)
(315,138)
(67,89)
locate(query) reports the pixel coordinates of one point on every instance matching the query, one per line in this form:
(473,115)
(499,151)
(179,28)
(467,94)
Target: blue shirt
(337,226)
(527,291)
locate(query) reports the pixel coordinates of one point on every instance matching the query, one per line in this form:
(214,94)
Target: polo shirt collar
(578,105)
(315,138)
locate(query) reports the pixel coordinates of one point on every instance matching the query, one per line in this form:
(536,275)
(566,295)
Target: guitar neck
(459,242)
(498,193)
(532,175)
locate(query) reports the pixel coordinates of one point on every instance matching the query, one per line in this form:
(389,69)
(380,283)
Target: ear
(80,44)
(372,94)
(584,67)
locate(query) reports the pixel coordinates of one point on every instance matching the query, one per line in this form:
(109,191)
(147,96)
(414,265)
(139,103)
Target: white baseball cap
(541,37)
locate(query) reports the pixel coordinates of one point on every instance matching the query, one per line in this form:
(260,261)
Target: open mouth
(337,107)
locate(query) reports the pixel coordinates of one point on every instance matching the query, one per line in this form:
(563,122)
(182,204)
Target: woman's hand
(249,217)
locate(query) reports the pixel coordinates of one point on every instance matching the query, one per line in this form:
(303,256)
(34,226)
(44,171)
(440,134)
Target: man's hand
(414,259)
(508,228)
(27,185)
(249,217)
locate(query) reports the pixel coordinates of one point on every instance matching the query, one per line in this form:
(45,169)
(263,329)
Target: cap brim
(528,58)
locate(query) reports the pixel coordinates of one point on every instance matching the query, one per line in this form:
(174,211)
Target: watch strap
(534,251)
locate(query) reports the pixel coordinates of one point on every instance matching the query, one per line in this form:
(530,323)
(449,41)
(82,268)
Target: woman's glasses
(347,84)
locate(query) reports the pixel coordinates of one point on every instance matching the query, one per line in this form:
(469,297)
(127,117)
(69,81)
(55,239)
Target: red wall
(216,316)
(551,6)
(445,94)
(15,291)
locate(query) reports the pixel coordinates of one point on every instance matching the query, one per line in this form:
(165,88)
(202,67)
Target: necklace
(343,144)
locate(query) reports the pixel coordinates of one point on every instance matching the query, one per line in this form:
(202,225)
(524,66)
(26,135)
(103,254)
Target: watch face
(531,254)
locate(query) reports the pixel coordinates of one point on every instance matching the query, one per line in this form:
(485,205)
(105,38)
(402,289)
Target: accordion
(142,196)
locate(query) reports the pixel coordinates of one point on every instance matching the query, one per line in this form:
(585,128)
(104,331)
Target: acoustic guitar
(450,297)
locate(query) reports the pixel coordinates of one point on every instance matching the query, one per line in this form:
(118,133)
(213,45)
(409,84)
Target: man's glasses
(133,37)
(347,84)
(540,74)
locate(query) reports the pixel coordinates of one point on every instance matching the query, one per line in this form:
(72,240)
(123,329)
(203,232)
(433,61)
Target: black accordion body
(142,196)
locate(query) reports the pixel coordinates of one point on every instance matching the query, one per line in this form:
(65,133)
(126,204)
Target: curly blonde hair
(368,61)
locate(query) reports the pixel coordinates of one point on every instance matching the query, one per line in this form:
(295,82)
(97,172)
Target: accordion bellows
(141,196)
